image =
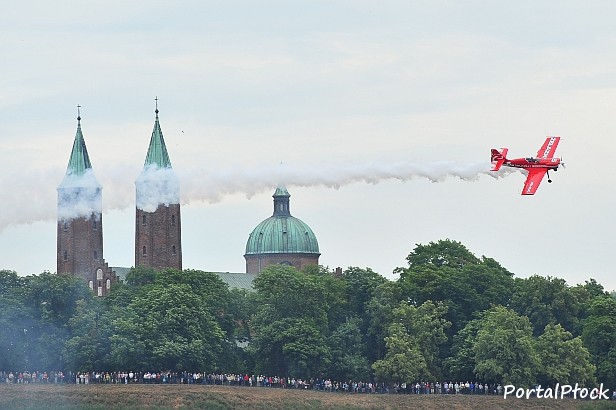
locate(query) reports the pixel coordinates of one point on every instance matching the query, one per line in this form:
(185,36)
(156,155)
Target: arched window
(173,220)
(108,284)
(173,249)
(65,256)
(95,255)
(94,225)
(143,220)
(145,251)
(66,226)
(99,274)
(91,285)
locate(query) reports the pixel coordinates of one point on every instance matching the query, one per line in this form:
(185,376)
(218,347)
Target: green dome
(282,233)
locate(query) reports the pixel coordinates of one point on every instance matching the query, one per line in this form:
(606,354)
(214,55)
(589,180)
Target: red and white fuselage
(537,167)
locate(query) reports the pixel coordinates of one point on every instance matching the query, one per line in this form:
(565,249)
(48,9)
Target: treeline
(449,316)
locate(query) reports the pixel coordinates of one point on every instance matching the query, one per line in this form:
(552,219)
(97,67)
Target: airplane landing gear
(549,180)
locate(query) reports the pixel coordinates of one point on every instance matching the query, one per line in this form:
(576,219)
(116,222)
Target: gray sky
(354,98)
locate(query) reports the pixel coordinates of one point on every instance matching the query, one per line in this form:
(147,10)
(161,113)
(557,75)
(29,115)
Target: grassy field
(51,397)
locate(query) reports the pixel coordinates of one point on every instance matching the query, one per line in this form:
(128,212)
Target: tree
(439,254)
(504,348)
(564,359)
(546,300)
(403,362)
(360,286)
(348,352)
(461,362)
(53,300)
(9,281)
(84,350)
(446,271)
(421,329)
(291,321)
(380,312)
(176,328)
(599,336)
(427,324)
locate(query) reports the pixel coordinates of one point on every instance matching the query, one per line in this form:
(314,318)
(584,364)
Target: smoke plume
(32,199)
(157,186)
(211,187)
(79,196)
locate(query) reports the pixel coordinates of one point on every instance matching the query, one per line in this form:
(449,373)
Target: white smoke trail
(157,186)
(32,198)
(211,187)
(79,196)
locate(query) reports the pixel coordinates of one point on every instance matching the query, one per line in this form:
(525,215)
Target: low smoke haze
(379,118)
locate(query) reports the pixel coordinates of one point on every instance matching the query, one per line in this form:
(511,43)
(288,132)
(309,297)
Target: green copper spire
(79,160)
(157,152)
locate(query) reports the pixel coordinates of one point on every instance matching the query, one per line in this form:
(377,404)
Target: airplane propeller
(562,163)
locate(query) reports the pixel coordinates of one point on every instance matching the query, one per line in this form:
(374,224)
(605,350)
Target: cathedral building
(279,239)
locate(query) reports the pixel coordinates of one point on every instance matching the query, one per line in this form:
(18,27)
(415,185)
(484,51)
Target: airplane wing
(534,178)
(547,149)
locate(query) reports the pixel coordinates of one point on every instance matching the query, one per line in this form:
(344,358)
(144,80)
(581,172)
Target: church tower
(158,227)
(80,227)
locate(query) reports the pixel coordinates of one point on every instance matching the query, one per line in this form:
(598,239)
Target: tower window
(91,285)
(173,220)
(66,226)
(94,225)
(95,255)
(145,251)
(173,249)
(143,220)
(65,256)
(99,274)
(108,284)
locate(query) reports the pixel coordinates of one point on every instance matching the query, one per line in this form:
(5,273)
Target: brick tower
(158,226)
(80,221)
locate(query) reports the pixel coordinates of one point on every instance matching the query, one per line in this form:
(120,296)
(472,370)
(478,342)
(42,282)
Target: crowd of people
(246,380)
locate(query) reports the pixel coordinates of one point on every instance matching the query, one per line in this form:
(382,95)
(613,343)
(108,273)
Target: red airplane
(537,166)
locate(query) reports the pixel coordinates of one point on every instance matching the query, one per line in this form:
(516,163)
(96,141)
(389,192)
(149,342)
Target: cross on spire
(78,113)
(156,99)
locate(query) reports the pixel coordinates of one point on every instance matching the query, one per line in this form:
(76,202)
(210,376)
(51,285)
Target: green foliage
(290,346)
(420,329)
(83,350)
(380,312)
(444,253)
(461,362)
(504,348)
(445,318)
(9,281)
(141,276)
(348,352)
(564,359)
(599,336)
(546,300)
(403,361)
(177,329)
(446,271)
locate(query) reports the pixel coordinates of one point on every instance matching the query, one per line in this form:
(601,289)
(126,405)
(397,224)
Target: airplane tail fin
(498,157)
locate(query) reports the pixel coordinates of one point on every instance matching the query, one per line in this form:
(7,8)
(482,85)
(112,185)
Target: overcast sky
(344,101)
